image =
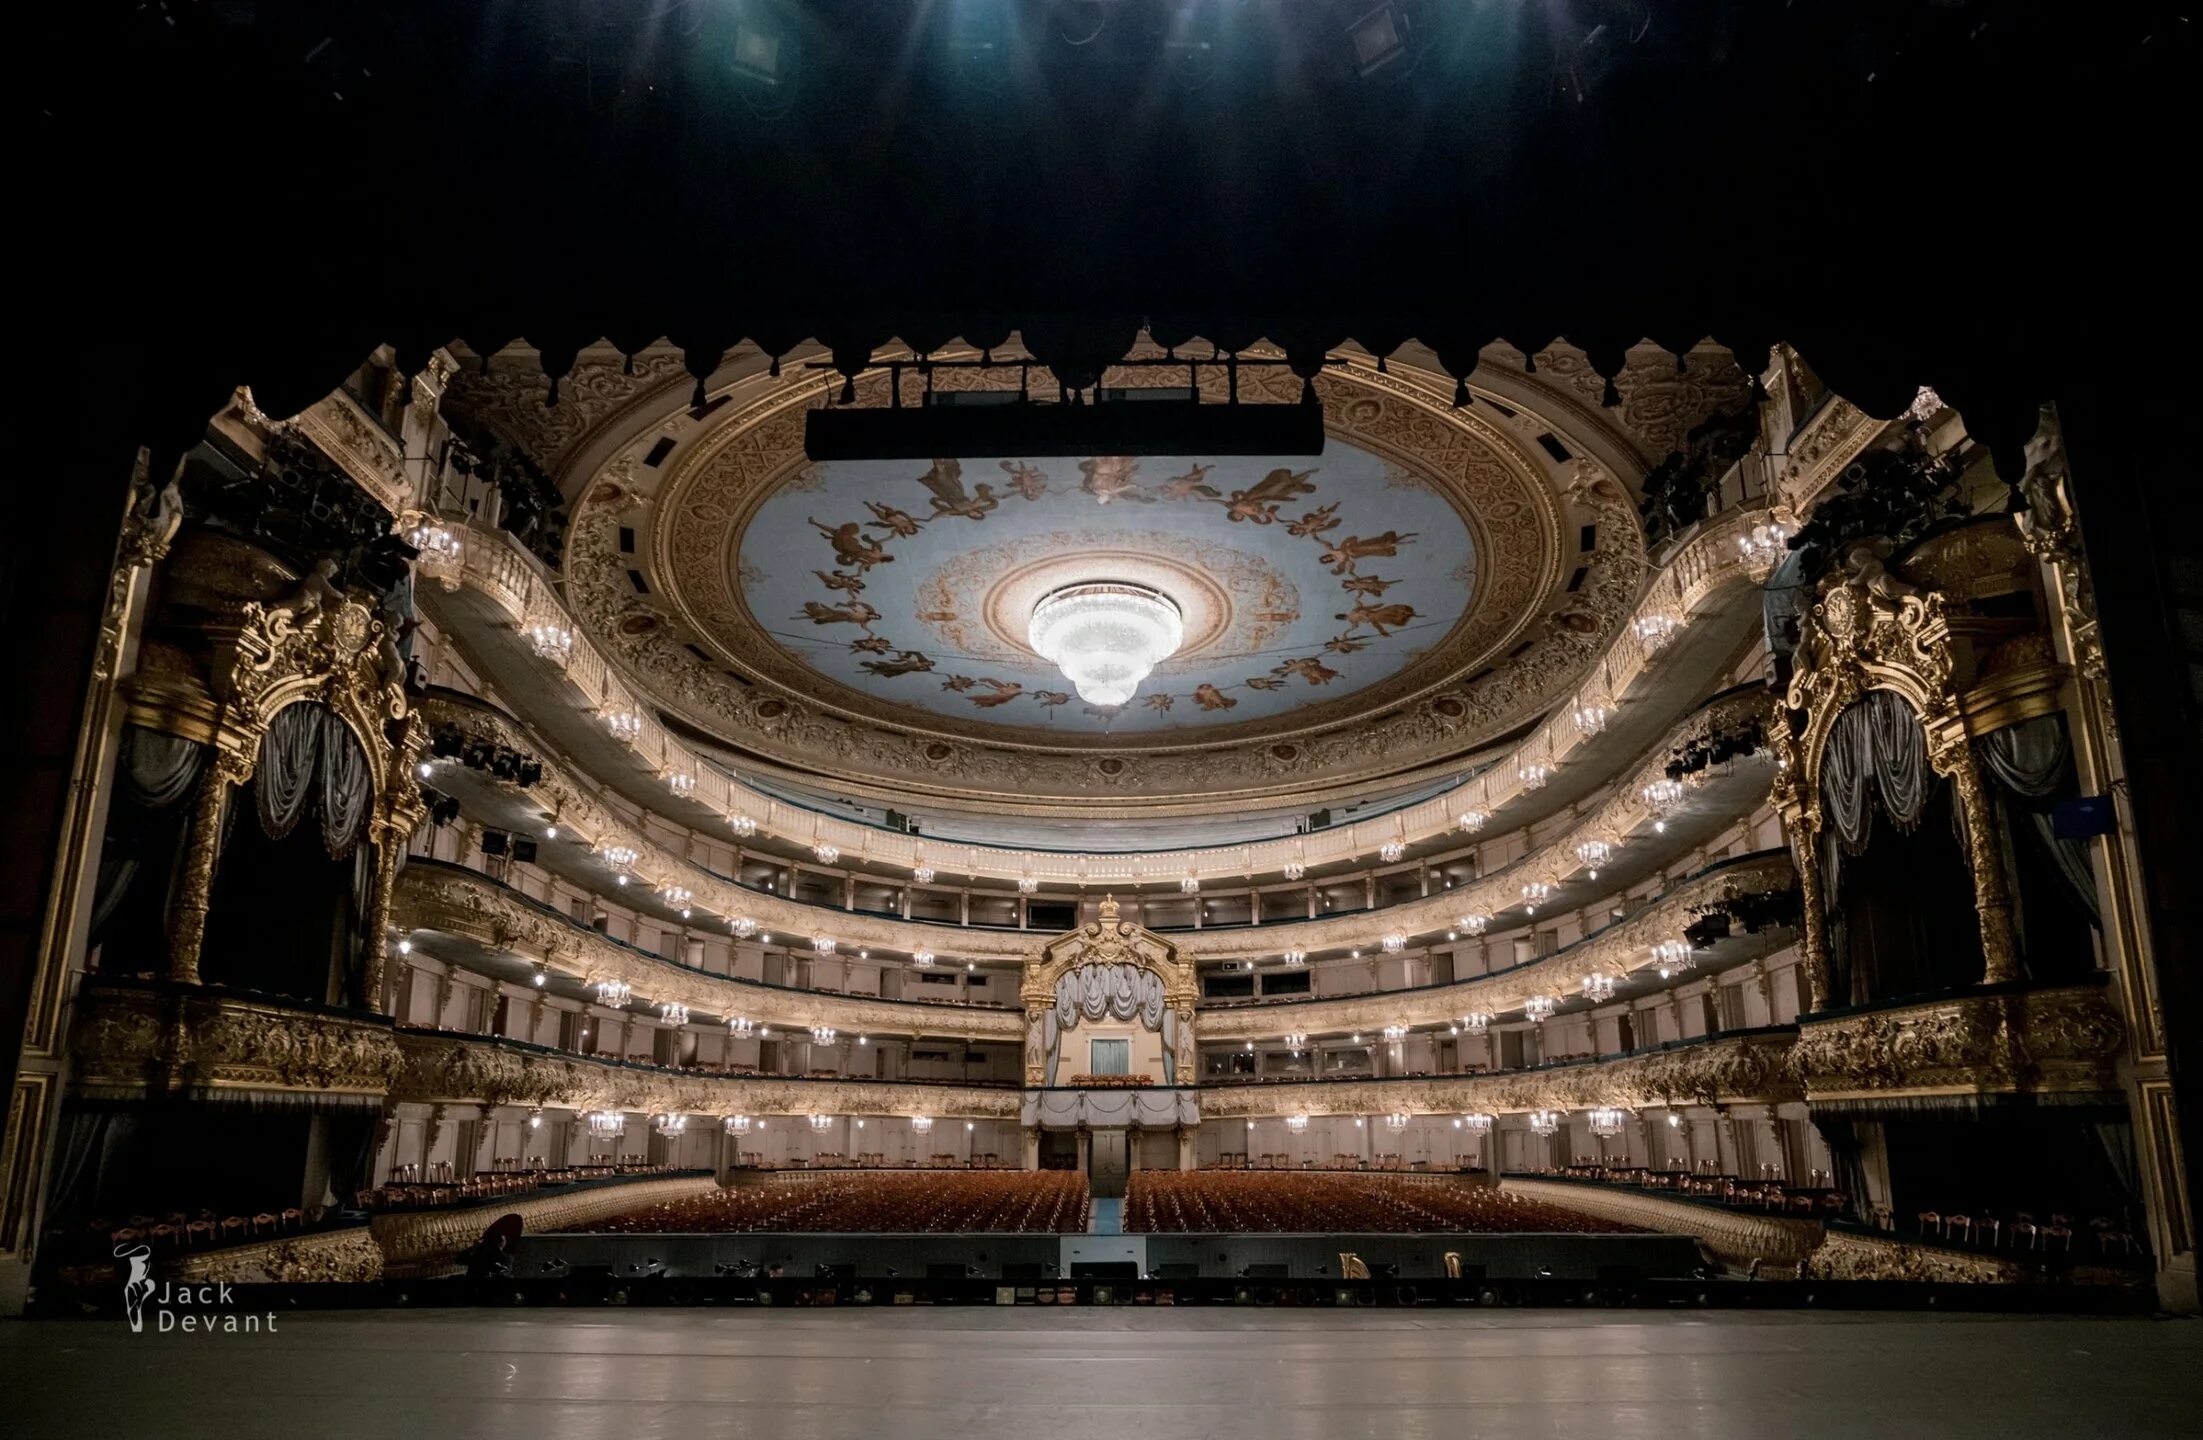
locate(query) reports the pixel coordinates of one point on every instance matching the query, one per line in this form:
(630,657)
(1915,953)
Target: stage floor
(967,1373)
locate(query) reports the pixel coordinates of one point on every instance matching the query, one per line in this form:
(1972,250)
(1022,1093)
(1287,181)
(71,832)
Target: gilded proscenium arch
(1111,940)
(451,900)
(1878,632)
(583,814)
(1616,951)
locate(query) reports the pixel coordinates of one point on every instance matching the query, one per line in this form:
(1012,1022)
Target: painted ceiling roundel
(1297,579)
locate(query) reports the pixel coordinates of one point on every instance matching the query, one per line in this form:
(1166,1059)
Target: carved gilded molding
(1622,813)
(1615,950)
(1735,1238)
(459,902)
(2054,1041)
(1838,433)
(348,1256)
(361,448)
(1844,1256)
(1111,940)
(481,1070)
(418,1239)
(133,1041)
(1733,1070)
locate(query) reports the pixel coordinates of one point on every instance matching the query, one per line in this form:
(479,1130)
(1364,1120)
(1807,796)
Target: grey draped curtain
(307,752)
(2032,760)
(1876,741)
(159,769)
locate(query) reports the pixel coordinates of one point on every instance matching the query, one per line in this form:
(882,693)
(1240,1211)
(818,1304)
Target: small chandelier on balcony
(1533,774)
(1296,1124)
(1591,715)
(614,994)
(1539,1007)
(1395,1033)
(1296,1041)
(740,1026)
(1672,958)
(1534,894)
(1592,854)
(1656,631)
(551,641)
(921,1124)
(921,873)
(1396,1121)
(1190,885)
(1296,957)
(738,1124)
(625,726)
(823,1034)
(1545,1122)
(678,896)
(820,1124)
(1598,989)
(823,944)
(827,854)
(605,1124)
(1027,885)
(1394,943)
(439,547)
(1391,851)
(1294,870)
(1477,1124)
(681,783)
(1662,797)
(1764,544)
(1607,1122)
(1477,1022)
(921,957)
(621,858)
(742,926)
(1468,822)
(674,1013)
(1473,923)
(670,1126)
(742,825)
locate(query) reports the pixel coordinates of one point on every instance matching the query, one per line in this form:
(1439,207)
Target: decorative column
(187,920)
(1030,1137)
(1086,1149)
(1189,1150)
(1992,893)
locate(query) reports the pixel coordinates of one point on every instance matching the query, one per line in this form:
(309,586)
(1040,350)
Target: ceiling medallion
(1106,636)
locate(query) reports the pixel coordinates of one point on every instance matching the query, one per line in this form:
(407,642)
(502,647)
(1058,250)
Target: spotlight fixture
(1378,38)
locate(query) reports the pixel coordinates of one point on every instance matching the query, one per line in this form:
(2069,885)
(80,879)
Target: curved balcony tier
(502,594)
(464,917)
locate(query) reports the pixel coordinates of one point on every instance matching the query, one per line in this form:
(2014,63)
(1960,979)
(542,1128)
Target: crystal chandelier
(674,1013)
(1598,989)
(1477,1124)
(1607,1122)
(1106,636)
(1671,958)
(823,1034)
(1534,775)
(1473,924)
(1476,1022)
(681,783)
(1661,798)
(823,944)
(1394,943)
(921,1124)
(1545,1122)
(626,726)
(1390,851)
(605,1124)
(678,896)
(1395,1032)
(1470,821)
(1296,957)
(1294,869)
(670,1126)
(1591,854)
(742,926)
(439,549)
(1539,1007)
(738,1124)
(1297,1041)
(921,873)
(1297,1124)
(1027,885)
(741,824)
(1191,885)
(1764,544)
(1534,894)
(614,994)
(1396,1121)
(740,1025)
(921,957)
(1656,631)
(820,1124)
(552,642)
(621,858)
(827,854)
(1591,716)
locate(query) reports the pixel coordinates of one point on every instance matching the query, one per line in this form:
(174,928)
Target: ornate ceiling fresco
(1373,614)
